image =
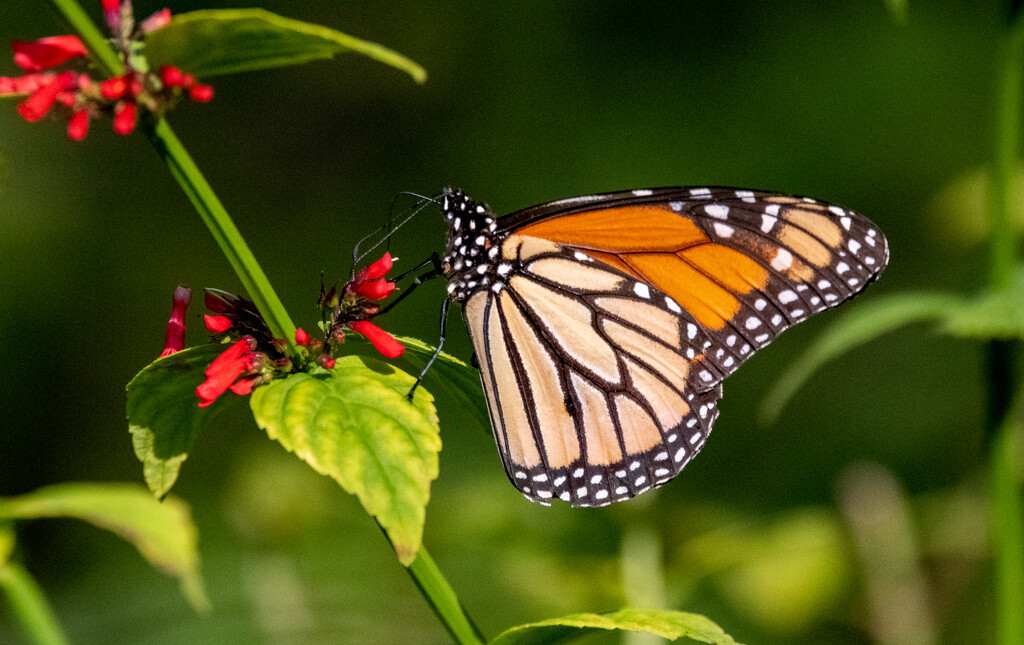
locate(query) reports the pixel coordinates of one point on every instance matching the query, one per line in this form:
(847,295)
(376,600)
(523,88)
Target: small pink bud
(327,362)
(174,339)
(301,337)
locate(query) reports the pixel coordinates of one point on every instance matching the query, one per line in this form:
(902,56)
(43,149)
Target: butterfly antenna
(390,228)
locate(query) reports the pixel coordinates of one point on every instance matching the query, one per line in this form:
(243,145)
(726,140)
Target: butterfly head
(469,260)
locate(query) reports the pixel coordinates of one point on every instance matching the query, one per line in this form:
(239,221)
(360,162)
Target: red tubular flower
(158,20)
(217,324)
(79,126)
(41,100)
(376,270)
(380,339)
(301,337)
(124,118)
(47,52)
(174,340)
(225,369)
(375,289)
(200,93)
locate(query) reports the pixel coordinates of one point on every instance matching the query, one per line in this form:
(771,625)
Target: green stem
(1002,428)
(443,600)
(29,605)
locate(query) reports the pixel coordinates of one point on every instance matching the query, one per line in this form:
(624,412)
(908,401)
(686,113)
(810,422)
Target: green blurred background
(526,102)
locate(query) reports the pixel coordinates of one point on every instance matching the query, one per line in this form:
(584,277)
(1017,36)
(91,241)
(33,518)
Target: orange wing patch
(651,228)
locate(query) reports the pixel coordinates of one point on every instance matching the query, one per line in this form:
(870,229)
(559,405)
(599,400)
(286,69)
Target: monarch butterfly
(605,324)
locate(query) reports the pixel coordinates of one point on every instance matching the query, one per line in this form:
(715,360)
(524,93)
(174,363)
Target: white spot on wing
(782,260)
(642,290)
(719,211)
(723,230)
(643,193)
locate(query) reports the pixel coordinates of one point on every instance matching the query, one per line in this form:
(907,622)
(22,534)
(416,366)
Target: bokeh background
(885,112)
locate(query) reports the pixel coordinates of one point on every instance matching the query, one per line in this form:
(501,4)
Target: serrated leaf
(660,622)
(858,327)
(227,41)
(998,315)
(355,424)
(164,416)
(163,532)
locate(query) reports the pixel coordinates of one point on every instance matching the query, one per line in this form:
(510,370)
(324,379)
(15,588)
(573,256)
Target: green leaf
(227,41)
(449,375)
(164,416)
(163,532)
(860,326)
(998,315)
(660,622)
(356,424)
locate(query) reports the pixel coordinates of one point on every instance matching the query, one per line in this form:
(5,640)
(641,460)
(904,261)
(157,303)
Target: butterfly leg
(437,352)
(435,272)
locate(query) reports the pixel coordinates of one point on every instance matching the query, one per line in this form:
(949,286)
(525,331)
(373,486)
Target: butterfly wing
(589,376)
(746,265)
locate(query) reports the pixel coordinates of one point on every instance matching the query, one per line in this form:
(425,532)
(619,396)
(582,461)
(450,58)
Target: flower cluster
(254,356)
(356,303)
(79,97)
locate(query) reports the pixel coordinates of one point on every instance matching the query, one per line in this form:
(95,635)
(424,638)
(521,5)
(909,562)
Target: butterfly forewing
(605,324)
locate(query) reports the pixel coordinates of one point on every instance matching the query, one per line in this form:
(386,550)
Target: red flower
(301,337)
(79,125)
(124,118)
(370,282)
(225,370)
(217,324)
(174,340)
(47,52)
(380,339)
(42,99)
(376,270)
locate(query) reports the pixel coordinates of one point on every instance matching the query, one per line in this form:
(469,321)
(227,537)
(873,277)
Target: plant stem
(443,600)
(29,605)
(1003,430)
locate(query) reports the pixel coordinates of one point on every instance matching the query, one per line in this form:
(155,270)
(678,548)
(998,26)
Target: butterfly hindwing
(589,376)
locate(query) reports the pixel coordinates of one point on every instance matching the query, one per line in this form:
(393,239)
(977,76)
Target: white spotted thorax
(469,259)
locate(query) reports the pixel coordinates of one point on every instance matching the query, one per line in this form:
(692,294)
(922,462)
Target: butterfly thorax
(470,259)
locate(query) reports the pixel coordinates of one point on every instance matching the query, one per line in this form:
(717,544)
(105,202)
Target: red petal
(376,270)
(124,118)
(244,386)
(217,324)
(380,339)
(111,5)
(301,337)
(224,369)
(79,125)
(215,303)
(375,290)
(47,52)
